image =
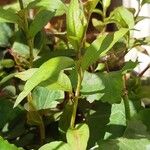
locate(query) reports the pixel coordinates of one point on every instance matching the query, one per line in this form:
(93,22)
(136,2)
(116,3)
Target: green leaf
(49,69)
(57,145)
(106,3)
(40,20)
(26,75)
(7,113)
(7,15)
(125,144)
(98,24)
(117,122)
(43,98)
(59,84)
(106,87)
(6,33)
(4,145)
(51,5)
(96,116)
(123,17)
(76,23)
(7,63)
(129,66)
(145,1)
(101,46)
(22,49)
(7,78)
(78,137)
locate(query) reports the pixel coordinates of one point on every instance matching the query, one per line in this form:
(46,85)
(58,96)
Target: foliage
(58,89)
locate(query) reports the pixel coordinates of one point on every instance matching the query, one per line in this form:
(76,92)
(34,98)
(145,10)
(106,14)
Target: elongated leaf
(63,83)
(76,23)
(57,145)
(40,20)
(101,46)
(123,17)
(77,138)
(145,1)
(43,98)
(4,145)
(49,69)
(25,75)
(7,15)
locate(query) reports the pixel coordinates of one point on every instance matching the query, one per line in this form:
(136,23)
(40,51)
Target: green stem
(41,124)
(21,4)
(30,41)
(126,101)
(76,98)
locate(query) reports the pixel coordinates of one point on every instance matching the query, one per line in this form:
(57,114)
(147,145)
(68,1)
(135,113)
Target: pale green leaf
(40,20)
(43,98)
(106,3)
(78,137)
(49,69)
(26,75)
(57,145)
(101,46)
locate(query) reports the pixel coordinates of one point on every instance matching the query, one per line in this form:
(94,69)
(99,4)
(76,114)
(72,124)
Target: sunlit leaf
(78,137)
(101,46)
(49,69)
(102,86)
(7,146)
(76,23)
(43,98)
